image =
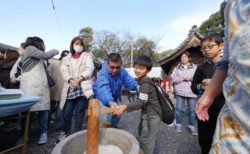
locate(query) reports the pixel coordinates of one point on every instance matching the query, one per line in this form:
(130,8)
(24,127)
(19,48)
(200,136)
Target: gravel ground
(168,140)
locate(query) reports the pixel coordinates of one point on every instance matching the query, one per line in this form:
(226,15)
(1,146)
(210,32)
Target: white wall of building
(155,72)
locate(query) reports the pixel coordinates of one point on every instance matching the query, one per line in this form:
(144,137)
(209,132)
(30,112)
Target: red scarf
(76,55)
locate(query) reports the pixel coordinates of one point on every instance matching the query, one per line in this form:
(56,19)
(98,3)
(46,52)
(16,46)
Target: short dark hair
(217,38)
(187,54)
(36,42)
(71,48)
(144,60)
(63,54)
(115,57)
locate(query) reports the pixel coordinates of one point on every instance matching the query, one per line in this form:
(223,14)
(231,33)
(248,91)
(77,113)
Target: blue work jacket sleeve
(129,82)
(103,90)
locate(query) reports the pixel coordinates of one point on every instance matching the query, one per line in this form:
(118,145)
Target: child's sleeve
(144,91)
(196,82)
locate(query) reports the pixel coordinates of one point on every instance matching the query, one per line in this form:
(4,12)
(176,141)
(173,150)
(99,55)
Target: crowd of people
(222,116)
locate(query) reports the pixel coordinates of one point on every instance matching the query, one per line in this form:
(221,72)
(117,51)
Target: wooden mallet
(93,112)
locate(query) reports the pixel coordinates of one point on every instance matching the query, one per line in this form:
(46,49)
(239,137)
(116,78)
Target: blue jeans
(78,106)
(180,104)
(113,119)
(43,120)
(59,118)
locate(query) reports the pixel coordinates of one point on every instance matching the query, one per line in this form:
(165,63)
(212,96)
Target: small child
(149,103)
(211,46)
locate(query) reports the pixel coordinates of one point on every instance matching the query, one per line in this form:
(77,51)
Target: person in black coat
(211,46)
(10,58)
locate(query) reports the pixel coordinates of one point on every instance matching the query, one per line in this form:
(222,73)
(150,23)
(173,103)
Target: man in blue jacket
(108,85)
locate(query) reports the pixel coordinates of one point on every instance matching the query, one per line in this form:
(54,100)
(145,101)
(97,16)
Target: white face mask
(78,48)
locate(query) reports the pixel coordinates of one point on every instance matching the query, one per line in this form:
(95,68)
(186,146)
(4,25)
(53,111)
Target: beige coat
(86,69)
(54,71)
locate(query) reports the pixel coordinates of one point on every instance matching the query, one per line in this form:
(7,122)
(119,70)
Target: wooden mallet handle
(93,127)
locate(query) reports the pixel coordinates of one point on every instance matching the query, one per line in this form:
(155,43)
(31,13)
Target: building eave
(7,47)
(187,43)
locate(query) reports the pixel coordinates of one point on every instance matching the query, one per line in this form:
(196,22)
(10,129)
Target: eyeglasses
(115,67)
(210,46)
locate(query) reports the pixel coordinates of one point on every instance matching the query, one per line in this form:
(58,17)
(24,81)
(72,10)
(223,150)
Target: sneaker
(173,124)
(43,138)
(192,130)
(51,122)
(62,135)
(178,128)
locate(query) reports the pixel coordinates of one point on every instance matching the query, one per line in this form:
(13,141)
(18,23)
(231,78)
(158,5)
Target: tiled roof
(194,31)
(6,47)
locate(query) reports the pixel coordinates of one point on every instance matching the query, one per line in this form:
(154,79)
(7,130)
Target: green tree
(102,43)
(86,34)
(215,23)
(108,42)
(140,46)
(101,55)
(147,47)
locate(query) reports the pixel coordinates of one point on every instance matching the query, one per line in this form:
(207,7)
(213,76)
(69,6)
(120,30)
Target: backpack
(167,106)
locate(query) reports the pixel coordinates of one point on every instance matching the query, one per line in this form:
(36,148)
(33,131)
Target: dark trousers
(206,132)
(41,117)
(59,118)
(148,128)
(15,85)
(78,106)
(55,109)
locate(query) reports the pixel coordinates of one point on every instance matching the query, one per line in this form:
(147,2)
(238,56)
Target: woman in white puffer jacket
(77,71)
